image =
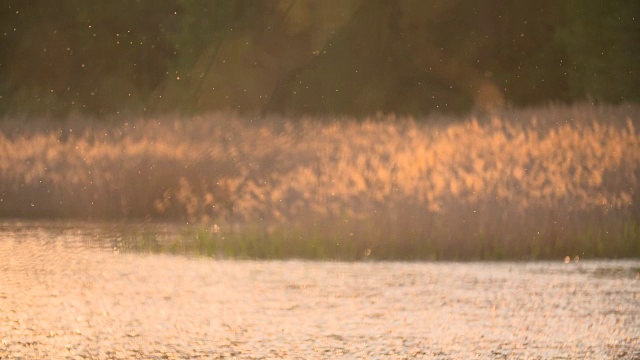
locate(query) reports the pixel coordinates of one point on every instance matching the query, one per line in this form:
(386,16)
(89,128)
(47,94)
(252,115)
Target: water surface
(67,290)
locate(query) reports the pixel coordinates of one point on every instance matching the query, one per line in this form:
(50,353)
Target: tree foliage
(304,57)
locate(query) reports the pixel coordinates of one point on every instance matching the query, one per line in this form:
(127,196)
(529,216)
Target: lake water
(66,291)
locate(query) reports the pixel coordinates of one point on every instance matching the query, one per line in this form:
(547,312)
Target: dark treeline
(354,57)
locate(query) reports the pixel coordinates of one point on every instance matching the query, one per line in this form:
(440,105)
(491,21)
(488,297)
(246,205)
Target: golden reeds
(533,183)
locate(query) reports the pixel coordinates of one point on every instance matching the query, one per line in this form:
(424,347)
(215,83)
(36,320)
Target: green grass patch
(363,240)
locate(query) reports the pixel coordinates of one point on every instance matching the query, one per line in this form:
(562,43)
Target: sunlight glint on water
(65,292)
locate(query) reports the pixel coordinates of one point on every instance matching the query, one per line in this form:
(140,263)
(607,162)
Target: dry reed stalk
(526,183)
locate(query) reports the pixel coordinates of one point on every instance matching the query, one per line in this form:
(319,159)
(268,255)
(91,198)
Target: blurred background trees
(351,57)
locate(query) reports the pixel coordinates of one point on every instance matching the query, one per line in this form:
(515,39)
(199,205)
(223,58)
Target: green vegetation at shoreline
(613,238)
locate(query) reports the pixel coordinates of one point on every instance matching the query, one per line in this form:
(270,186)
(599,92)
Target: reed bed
(522,184)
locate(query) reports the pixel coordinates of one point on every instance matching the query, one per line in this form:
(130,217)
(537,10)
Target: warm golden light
(514,174)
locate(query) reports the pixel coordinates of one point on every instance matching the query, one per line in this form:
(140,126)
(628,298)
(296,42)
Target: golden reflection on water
(62,297)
